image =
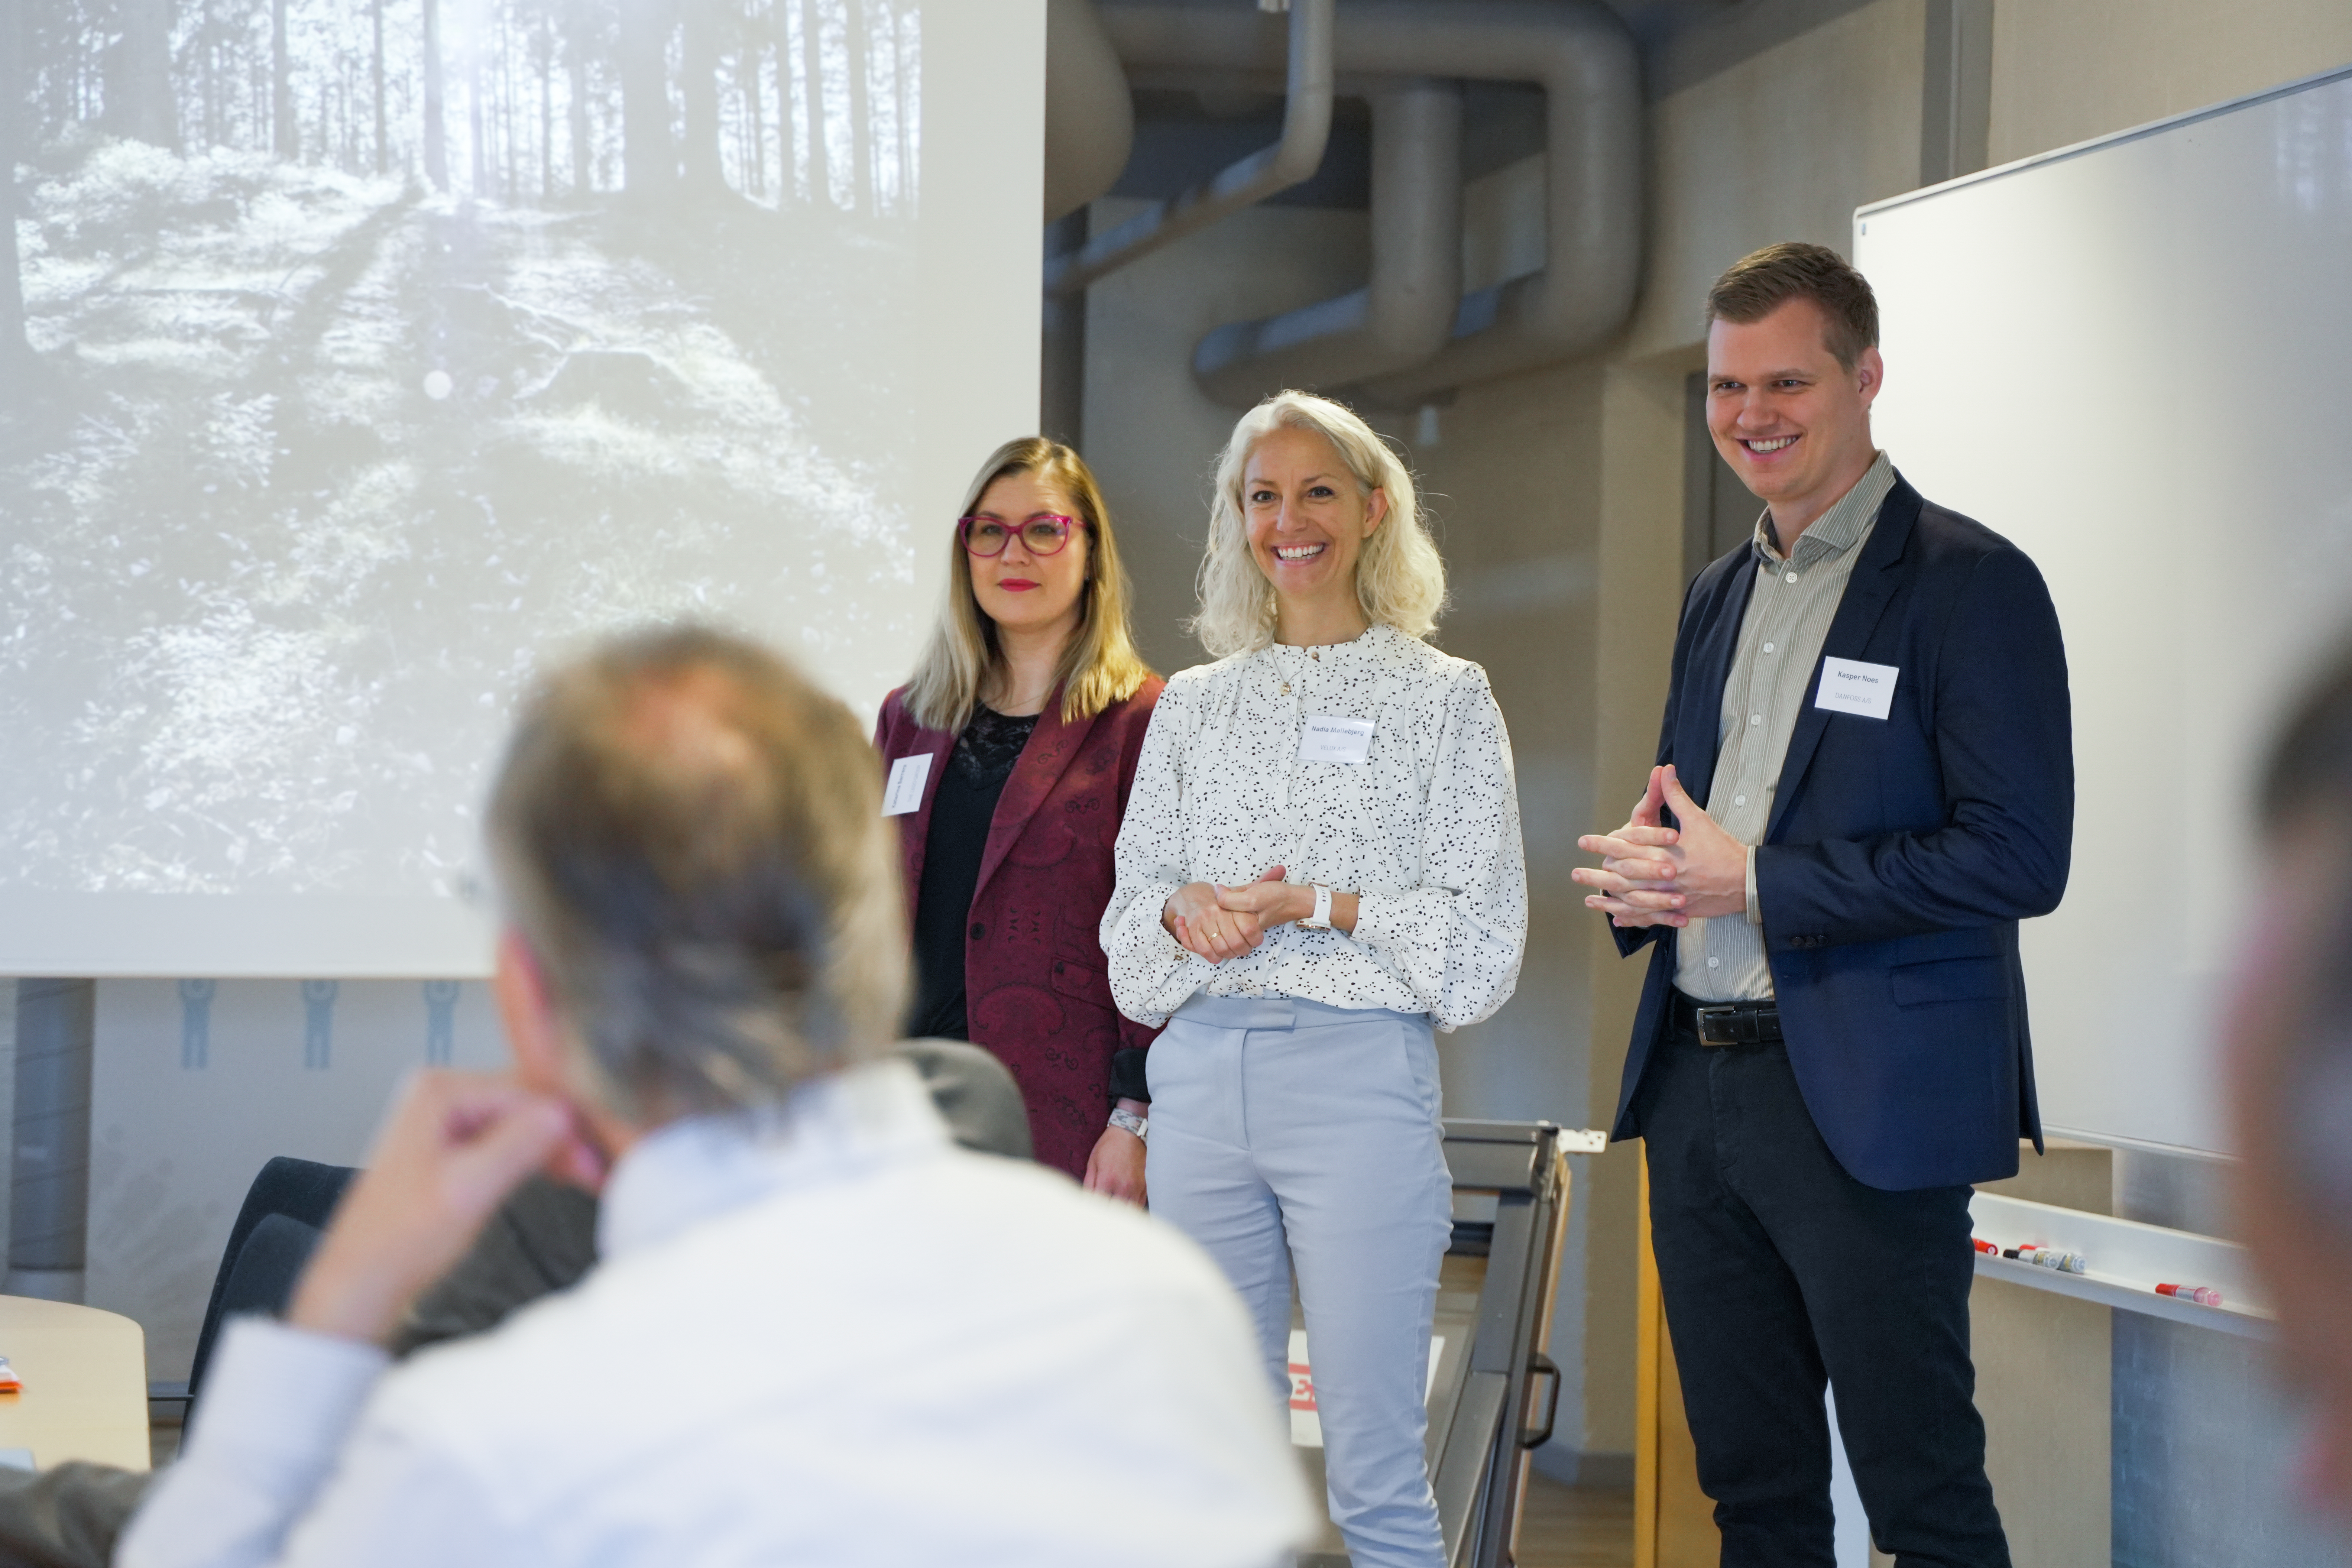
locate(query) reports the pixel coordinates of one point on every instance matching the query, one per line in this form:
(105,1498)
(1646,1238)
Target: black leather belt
(1729,1022)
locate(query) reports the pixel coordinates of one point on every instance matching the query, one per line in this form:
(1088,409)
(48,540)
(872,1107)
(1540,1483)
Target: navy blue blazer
(1901,852)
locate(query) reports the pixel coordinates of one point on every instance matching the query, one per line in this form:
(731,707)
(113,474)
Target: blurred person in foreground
(2290,1057)
(816,1331)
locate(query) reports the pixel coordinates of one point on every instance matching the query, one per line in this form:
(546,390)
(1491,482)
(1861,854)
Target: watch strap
(1321,919)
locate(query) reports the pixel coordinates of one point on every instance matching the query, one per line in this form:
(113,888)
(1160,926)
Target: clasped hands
(1653,874)
(1220,922)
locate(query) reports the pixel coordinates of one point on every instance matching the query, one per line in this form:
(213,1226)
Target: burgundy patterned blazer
(1036,992)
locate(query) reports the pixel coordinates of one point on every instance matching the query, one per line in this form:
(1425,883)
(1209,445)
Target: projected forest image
(353,353)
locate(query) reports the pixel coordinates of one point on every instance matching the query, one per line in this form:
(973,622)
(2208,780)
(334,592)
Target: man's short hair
(688,837)
(1760,282)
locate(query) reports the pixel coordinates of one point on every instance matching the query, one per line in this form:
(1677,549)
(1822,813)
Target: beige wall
(2067,71)
(1782,146)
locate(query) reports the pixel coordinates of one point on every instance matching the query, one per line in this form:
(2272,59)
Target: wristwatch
(1321,919)
(1128,1122)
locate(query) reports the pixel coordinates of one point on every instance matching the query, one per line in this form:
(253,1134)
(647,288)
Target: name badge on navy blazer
(1849,685)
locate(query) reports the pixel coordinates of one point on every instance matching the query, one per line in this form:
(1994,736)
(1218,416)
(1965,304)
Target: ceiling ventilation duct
(1578,51)
(1302,51)
(1090,113)
(1405,313)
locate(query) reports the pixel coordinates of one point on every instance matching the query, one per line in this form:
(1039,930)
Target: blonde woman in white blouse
(1321,861)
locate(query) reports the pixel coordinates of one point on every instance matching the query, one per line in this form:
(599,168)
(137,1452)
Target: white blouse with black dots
(1425,832)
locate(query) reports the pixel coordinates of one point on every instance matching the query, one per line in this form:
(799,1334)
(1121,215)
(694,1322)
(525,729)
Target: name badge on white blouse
(1332,740)
(904,793)
(1849,685)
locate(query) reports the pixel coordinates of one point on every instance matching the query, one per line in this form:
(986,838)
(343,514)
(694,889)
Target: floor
(1565,1527)
(1576,1527)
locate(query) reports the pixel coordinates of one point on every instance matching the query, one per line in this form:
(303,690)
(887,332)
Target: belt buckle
(1727,1015)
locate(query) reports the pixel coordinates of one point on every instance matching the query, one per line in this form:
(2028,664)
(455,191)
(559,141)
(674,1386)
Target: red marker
(1982,1244)
(2197,1293)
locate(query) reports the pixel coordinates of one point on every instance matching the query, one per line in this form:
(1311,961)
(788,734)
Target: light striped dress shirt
(1774,672)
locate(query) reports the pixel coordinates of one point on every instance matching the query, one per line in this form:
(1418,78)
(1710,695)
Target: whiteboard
(346,423)
(2129,357)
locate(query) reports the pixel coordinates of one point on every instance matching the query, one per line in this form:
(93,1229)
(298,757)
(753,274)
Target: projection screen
(2127,357)
(357,356)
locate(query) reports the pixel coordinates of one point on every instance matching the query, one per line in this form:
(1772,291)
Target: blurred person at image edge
(2290,1072)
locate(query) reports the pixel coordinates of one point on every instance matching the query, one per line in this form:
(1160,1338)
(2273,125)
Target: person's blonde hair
(1100,665)
(1400,577)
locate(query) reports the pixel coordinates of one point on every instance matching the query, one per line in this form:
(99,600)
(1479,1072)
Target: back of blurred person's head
(689,839)
(2291,1046)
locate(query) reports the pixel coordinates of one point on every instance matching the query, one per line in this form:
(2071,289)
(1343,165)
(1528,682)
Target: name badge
(1331,740)
(1849,685)
(904,793)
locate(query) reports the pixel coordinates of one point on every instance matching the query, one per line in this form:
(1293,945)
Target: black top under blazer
(1901,853)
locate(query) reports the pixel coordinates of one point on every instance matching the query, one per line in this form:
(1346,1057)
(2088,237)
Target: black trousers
(1780,1271)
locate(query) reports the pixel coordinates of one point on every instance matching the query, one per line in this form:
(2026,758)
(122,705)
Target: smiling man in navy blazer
(1870,700)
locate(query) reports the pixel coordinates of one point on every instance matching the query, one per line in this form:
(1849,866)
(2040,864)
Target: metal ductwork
(1406,312)
(1301,50)
(1090,113)
(1578,51)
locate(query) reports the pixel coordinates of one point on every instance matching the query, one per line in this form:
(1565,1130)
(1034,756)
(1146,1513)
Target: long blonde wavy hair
(1100,665)
(1400,577)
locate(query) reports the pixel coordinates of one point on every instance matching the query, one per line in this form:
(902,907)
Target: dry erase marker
(1983,1246)
(2197,1293)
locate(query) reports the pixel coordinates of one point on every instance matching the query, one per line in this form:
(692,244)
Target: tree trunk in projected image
(285,136)
(813,74)
(437,135)
(748,73)
(139,99)
(861,121)
(699,86)
(648,155)
(576,46)
(780,35)
(542,59)
(14,351)
(477,170)
(375,81)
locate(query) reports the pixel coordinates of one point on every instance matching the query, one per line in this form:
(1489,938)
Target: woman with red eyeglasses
(1010,753)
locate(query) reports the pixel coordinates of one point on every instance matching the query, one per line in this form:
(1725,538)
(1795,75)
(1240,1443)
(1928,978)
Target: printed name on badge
(904,793)
(1333,739)
(1849,685)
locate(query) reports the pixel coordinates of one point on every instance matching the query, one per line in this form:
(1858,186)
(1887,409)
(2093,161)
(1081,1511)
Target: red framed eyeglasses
(1044,534)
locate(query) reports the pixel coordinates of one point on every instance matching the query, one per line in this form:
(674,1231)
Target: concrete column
(1062,381)
(48,1205)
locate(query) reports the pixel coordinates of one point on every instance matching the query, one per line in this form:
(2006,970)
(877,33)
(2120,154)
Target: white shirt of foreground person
(846,1342)
(1424,829)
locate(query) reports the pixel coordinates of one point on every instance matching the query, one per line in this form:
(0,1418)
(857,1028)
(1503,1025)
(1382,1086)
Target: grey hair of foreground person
(1400,575)
(689,839)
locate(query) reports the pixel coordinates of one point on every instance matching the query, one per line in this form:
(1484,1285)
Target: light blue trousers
(1288,1135)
